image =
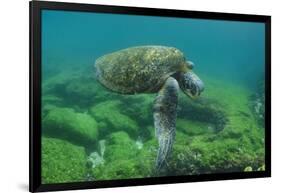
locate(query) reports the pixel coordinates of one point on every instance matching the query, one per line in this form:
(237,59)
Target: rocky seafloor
(90,133)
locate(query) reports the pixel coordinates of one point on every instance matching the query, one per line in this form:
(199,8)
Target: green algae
(124,160)
(216,133)
(192,128)
(109,114)
(62,161)
(121,158)
(120,146)
(65,123)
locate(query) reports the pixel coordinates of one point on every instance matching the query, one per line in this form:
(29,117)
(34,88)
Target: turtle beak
(191,85)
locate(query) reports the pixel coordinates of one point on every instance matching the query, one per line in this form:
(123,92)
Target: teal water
(229,57)
(225,49)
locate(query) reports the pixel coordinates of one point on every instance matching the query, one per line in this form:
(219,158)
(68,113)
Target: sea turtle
(152,69)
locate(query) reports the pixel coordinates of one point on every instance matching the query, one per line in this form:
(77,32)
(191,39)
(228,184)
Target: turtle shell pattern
(141,69)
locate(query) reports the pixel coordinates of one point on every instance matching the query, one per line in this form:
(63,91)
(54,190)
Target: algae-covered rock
(120,158)
(194,127)
(147,156)
(51,99)
(124,160)
(205,154)
(184,161)
(248,169)
(122,169)
(109,115)
(77,89)
(49,102)
(120,147)
(56,84)
(81,90)
(203,111)
(84,91)
(262,168)
(67,124)
(140,107)
(62,161)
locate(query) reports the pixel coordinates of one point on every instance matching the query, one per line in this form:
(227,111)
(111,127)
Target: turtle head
(190,84)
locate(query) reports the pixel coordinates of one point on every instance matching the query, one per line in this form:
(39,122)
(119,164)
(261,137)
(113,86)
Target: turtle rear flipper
(165,114)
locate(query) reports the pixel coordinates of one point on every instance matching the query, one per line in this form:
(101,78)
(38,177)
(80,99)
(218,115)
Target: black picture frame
(35,184)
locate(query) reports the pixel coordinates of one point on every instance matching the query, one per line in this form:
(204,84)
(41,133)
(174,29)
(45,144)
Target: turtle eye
(190,64)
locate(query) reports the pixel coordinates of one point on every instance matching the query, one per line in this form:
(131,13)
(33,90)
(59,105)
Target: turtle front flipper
(165,114)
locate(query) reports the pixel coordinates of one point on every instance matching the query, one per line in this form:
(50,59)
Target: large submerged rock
(65,123)
(111,119)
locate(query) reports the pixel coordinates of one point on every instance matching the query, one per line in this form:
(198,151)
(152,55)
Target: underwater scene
(129,96)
